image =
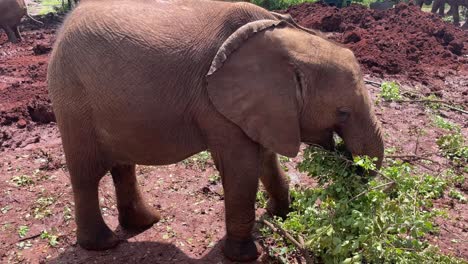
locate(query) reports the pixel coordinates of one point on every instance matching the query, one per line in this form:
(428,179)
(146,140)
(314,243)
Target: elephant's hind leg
(134,212)
(11,35)
(92,231)
(276,184)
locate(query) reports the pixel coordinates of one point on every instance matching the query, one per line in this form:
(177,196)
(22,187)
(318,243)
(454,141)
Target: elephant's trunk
(364,137)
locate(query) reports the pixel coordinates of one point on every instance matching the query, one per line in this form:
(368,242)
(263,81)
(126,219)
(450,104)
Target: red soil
(403,42)
(191,206)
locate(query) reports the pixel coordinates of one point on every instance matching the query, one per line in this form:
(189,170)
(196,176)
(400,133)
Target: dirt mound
(403,41)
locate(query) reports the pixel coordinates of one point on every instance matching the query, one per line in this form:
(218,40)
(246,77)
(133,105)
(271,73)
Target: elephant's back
(190,31)
(140,43)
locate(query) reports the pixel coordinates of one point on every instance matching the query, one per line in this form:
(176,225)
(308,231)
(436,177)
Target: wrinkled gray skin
(153,82)
(11,12)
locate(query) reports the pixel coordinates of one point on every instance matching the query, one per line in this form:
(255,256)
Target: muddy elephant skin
(153,82)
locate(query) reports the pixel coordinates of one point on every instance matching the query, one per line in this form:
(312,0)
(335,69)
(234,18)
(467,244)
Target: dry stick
(421,101)
(373,83)
(29,237)
(419,156)
(285,234)
(445,103)
(417,144)
(456,109)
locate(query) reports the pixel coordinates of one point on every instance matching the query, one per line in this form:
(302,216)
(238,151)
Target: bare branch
(300,245)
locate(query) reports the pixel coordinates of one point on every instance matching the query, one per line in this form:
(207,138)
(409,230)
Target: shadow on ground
(140,252)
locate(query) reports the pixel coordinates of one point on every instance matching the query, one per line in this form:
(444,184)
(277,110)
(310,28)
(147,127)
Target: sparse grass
(22,180)
(67,213)
(41,208)
(5,209)
(24,245)
(199,160)
(214,178)
(23,230)
(440,122)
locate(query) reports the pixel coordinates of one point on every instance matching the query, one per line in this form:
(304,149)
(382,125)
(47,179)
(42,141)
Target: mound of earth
(402,41)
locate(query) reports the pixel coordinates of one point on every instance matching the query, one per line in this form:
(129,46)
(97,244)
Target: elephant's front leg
(276,184)
(239,165)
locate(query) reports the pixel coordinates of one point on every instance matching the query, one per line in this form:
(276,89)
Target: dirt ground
(36,191)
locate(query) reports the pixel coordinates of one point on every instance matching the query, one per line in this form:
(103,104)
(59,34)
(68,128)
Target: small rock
(40,49)
(21,123)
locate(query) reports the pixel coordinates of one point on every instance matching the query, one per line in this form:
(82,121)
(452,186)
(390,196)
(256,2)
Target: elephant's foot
(241,250)
(278,208)
(138,217)
(103,239)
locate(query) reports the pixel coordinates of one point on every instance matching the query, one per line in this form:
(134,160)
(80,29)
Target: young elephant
(11,12)
(154,82)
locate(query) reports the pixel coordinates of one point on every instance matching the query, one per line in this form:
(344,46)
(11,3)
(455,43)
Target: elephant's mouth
(330,146)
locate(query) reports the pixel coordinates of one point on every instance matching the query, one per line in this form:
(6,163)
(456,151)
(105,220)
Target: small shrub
(390,91)
(453,146)
(352,217)
(51,239)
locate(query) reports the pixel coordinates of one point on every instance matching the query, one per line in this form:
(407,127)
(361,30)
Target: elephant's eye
(343,114)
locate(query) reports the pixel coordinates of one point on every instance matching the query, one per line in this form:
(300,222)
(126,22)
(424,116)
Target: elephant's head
(283,85)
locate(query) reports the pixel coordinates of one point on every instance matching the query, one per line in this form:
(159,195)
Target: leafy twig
(299,244)
(390,184)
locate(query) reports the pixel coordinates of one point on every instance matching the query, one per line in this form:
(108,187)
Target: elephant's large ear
(252,83)
(288,18)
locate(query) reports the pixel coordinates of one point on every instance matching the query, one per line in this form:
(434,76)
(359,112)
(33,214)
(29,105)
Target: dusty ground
(188,194)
